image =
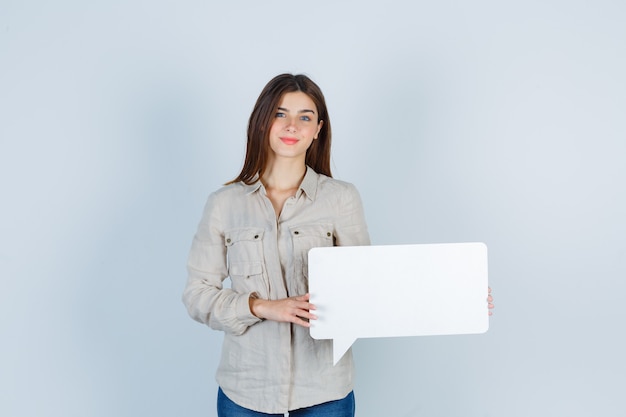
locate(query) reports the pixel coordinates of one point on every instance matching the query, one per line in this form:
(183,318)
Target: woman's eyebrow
(299,111)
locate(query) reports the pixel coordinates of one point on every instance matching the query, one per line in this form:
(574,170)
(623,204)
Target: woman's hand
(290,310)
(490,301)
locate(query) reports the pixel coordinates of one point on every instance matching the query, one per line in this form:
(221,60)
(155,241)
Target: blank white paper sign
(397,290)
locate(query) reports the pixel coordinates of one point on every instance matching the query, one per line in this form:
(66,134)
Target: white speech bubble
(397,290)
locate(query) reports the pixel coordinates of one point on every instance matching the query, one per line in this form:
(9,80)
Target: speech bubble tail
(340,347)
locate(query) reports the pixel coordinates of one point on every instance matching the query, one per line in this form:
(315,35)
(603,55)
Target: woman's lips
(289,141)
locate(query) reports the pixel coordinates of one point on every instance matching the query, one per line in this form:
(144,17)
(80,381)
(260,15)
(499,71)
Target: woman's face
(296,125)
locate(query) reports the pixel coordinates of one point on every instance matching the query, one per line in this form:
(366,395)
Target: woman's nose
(291,125)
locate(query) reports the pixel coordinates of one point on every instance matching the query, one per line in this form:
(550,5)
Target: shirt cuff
(244,315)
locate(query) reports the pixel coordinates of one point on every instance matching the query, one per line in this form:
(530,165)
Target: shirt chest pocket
(246,266)
(308,236)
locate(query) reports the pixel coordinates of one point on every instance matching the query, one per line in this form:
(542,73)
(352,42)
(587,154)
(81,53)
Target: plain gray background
(492,121)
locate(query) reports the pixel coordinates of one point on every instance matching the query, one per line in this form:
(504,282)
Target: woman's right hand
(289,310)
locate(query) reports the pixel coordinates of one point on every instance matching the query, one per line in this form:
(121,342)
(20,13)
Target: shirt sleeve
(206,299)
(350,228)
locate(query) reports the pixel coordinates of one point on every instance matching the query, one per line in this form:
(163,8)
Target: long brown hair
(262,117)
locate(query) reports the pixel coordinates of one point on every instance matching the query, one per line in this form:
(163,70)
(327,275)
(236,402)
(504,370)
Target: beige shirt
(265,365)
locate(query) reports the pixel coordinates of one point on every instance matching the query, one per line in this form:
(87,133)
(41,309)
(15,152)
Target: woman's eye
(305,118)
(280,114)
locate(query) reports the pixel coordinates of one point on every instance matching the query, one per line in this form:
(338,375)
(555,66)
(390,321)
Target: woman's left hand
(490,301)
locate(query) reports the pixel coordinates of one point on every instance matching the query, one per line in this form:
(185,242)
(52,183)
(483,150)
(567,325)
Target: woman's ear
(319,128)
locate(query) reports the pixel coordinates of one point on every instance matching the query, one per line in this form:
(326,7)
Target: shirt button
(228,240)
(328,234)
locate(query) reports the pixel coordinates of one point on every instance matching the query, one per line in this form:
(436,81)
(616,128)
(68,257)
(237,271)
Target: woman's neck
(283,175)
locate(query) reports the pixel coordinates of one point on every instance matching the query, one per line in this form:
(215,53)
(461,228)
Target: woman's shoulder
(230,192)
(335,187)
(334,183)
(231,188)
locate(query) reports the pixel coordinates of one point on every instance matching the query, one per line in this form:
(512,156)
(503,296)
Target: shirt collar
(252,187)
(308,184)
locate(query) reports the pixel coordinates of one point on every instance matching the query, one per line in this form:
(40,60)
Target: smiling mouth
(289,141)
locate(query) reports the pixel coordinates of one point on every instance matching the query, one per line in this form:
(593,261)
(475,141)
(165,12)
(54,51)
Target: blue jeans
(337,408)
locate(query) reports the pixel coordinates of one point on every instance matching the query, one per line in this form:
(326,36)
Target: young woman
(257,231)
